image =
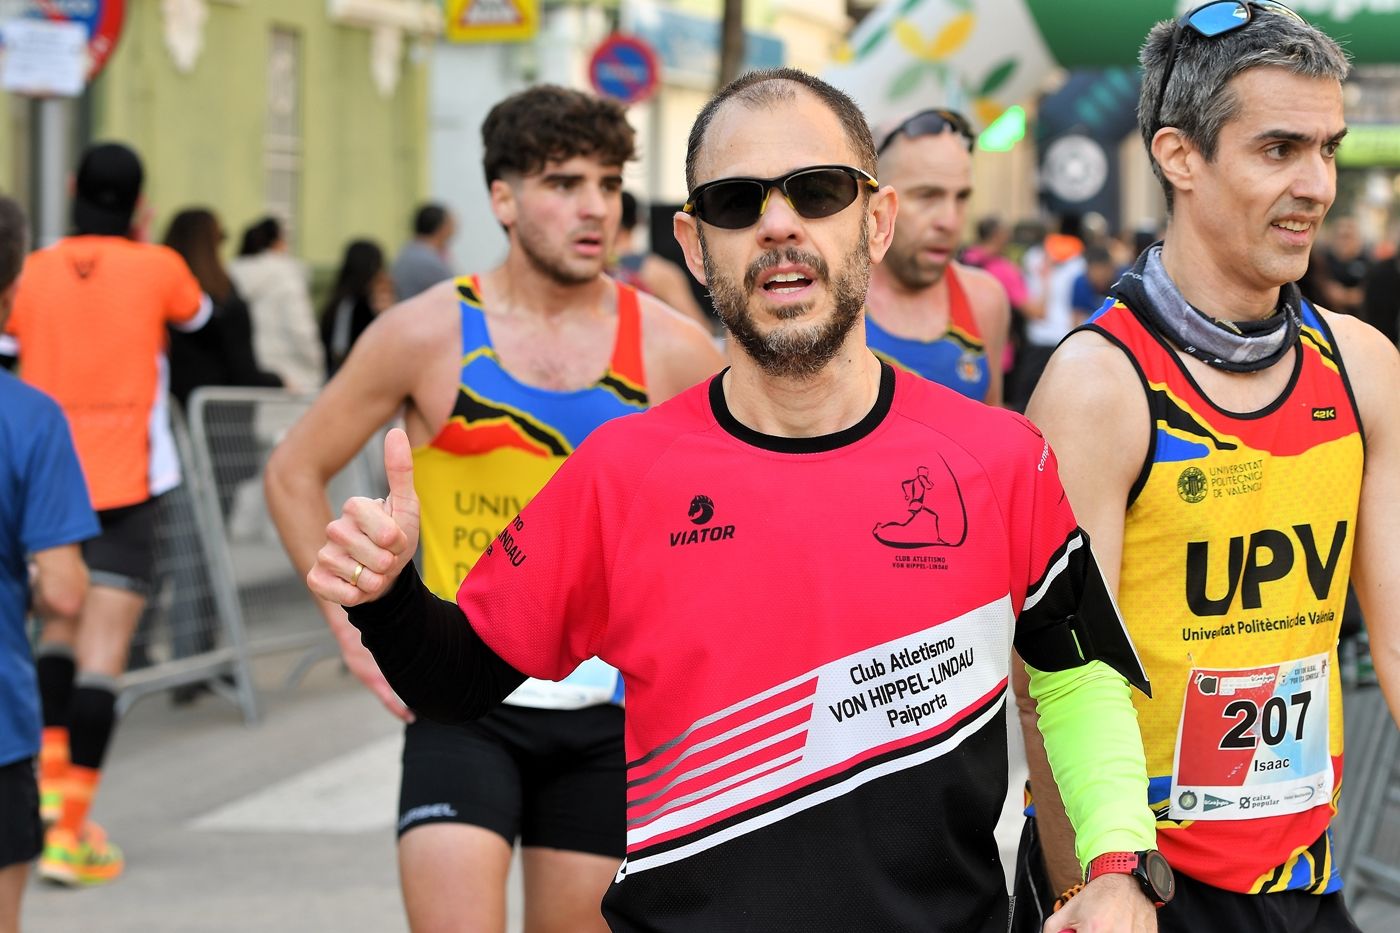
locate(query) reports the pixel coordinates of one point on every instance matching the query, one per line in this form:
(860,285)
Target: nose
(778,223)
(594,201)
(945,216)
(1316,180)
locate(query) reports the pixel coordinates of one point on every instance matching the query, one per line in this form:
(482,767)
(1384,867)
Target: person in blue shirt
(1091,288)
(44,515)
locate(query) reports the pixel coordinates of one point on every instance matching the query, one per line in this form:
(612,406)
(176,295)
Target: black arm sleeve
(431,655)
(1070,618)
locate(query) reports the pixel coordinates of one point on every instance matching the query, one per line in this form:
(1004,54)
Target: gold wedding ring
(355,577)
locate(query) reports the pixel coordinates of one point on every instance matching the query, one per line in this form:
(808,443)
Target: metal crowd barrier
(1366,834)
(187,634)
(227,591)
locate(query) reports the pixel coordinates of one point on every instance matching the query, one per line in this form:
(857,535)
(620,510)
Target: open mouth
(786,283)
(1294,233)
(589,244)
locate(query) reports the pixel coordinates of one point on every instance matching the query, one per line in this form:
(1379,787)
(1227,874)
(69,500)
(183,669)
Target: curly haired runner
(502,375)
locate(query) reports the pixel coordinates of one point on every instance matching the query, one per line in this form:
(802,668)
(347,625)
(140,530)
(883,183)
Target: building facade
(314,110)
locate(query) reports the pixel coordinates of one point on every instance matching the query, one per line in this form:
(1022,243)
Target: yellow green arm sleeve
(1095,751)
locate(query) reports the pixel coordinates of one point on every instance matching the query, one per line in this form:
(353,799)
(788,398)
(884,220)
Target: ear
(1173,152)
(687,234)
(503,203)
(879,221)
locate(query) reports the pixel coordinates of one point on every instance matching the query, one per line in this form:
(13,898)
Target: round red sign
(101,18)
(624,68)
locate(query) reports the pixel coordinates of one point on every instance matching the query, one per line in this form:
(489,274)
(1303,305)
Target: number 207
(1272,719)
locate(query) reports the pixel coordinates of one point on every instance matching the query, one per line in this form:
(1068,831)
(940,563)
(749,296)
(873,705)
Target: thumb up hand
(373,539)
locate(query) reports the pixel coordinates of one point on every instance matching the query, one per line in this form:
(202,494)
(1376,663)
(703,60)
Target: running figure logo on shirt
(937,516)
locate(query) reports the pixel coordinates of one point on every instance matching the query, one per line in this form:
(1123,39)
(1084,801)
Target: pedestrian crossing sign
(492,20)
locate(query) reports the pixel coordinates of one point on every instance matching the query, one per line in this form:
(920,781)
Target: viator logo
(701,511)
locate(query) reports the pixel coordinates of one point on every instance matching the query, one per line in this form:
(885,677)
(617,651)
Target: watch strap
(1112,863)
(1138,865)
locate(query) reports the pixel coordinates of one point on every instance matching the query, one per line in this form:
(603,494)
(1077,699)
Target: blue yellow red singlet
(502,442)
(957,360)
(1236,554)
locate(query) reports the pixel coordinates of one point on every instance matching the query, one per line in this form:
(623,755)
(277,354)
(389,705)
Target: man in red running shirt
(814,732)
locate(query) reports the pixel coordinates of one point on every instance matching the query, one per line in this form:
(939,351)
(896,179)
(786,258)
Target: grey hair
(14,239)
(1199,101)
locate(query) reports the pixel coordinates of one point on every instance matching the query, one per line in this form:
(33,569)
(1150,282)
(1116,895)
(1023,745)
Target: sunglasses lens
(1218,18)
(927,124)
(930,123)
(731,205)
(822,192)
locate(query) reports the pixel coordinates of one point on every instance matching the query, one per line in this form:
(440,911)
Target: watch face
(1159,874)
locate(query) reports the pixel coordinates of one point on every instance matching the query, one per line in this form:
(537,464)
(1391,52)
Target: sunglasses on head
(931,123)
(1209,20)
(813,192)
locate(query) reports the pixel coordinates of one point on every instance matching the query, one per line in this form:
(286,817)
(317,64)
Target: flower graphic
(931,58)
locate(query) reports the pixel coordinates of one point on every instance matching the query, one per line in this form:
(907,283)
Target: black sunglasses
(1210,20)
(931,123)
(814,192)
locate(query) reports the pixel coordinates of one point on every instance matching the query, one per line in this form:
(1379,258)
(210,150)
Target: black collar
(804,445)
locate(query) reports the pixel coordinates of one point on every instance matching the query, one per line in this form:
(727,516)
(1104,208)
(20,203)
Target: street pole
(50,169)
(731,38)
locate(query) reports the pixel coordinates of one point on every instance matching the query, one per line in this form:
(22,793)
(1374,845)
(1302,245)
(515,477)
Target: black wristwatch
(1149,867)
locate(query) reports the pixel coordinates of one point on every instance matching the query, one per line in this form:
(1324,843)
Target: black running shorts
(1197,907)
(123,556)
(21,833)
(551,778)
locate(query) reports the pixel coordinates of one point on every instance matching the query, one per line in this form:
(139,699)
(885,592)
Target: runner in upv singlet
(926,313)
(1235,453)
(502,375)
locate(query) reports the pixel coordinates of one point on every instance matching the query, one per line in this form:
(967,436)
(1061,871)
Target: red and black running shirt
(815,638)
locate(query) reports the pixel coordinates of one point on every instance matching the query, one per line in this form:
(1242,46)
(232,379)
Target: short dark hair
(988,227)
(548,123)
(773,86)
(1198,99)
(629,210)
(1097,255)
(14,241)
(260,236)
(429,219)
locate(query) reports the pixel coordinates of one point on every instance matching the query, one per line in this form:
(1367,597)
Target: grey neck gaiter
(1234,346)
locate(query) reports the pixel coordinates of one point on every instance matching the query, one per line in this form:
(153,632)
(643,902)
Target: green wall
(7,146)
(364,157)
